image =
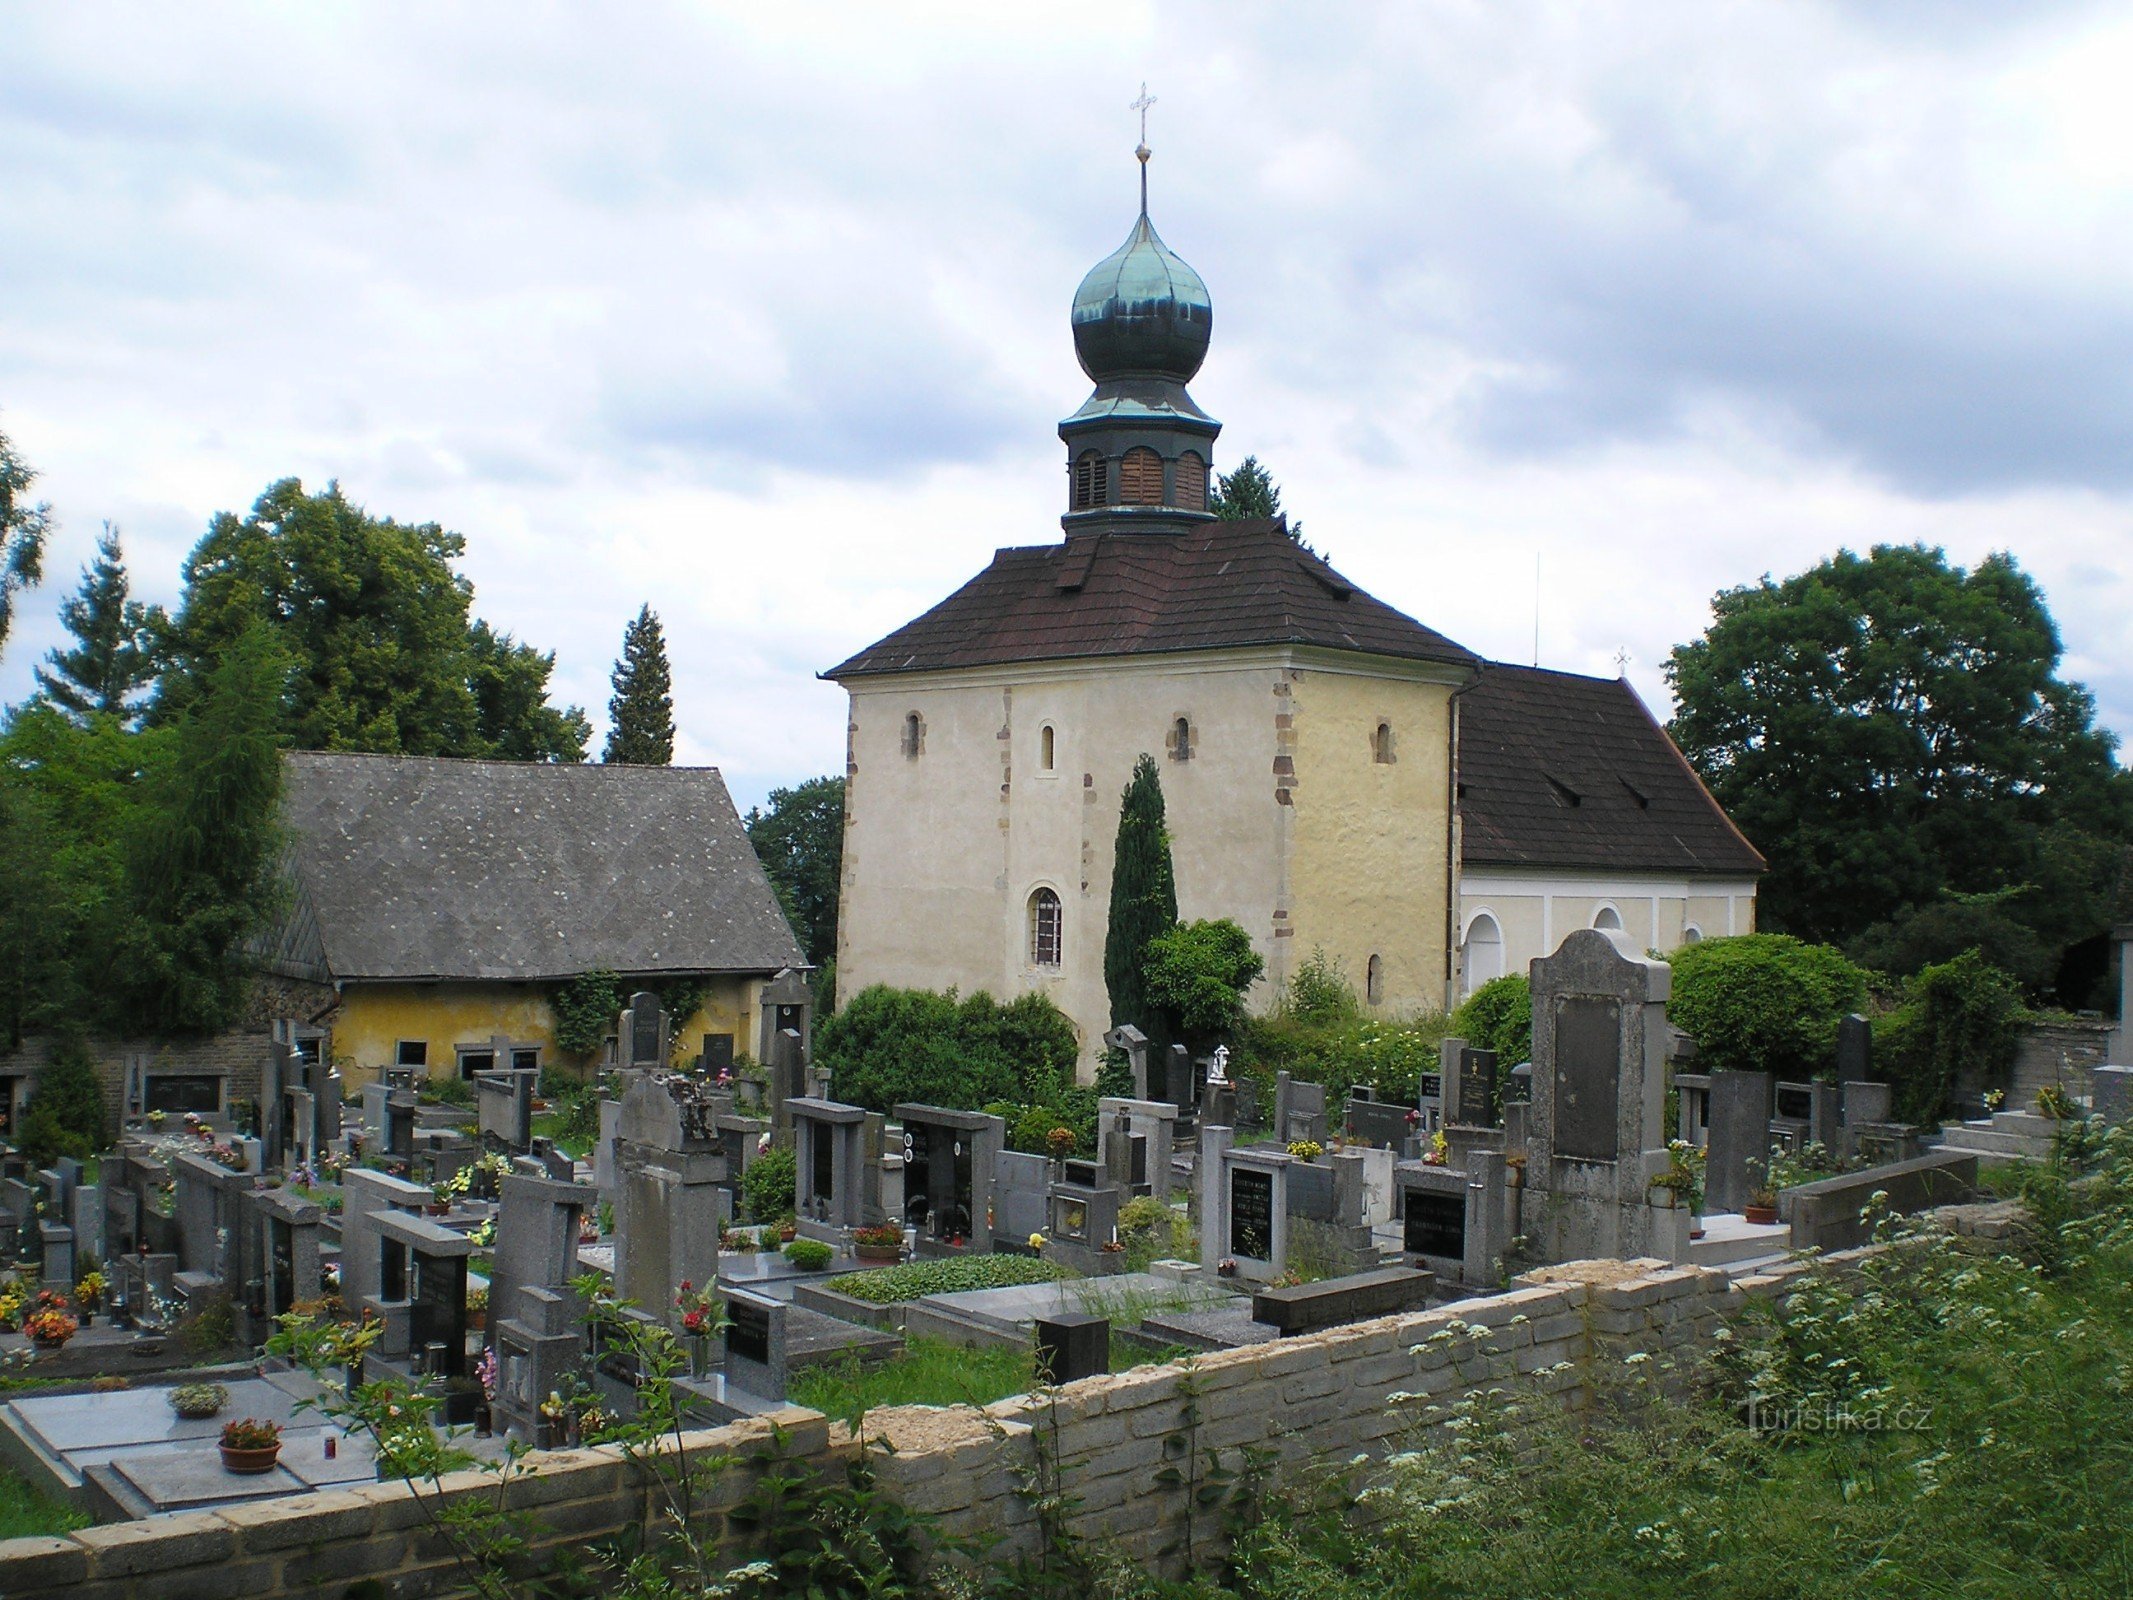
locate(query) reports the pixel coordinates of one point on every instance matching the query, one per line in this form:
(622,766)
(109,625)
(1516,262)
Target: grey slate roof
(412,867)
(1557,770)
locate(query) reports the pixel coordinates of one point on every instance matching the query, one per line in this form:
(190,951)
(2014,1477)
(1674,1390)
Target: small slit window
(1140,478)
(1374,981)
(1045,928)
(1192,481)
(1381,744)
(1047,748)
(1181,739)
(914,735)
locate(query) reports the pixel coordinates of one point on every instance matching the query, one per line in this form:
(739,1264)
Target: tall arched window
(914,735)
(1607,919)
(1192,481)
(1140,478)
(1381,744)
(1092,480)
(1374,981)
(1047,748)
(1484,951)
(1045,928)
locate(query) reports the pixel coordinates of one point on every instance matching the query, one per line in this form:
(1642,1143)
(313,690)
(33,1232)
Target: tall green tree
(113,656)
(1144,901)
(1892,728)
(513,718)
(23,528)
(641,713)
(372,624)
(1247,493)
(202,872)
(799,838)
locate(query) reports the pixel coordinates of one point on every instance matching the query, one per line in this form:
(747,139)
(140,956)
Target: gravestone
(1178,1085)
(289,1257)
(1596,1137)
(1738,1148)
(673,1190)
(1378,1123)
(538,1352)
(1692,1121)
(949,1160)
(537,1226)
(641,1034)
(1072,1345)
(755,1343)
(1299,1110)
(2111,1094)
(1134,1043)
(788,1074)
(422,1290)
(1153,1125)
(1250,1212)
(1020,1185)
(1855,1048)
(504,1110)
(1083,1216)
(1473,1104)
(1249,1114)
(829,1150)
(787,1004)
(366,1197)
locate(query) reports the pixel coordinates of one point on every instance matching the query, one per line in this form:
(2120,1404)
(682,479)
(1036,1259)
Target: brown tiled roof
(1213,587)
(1558,770)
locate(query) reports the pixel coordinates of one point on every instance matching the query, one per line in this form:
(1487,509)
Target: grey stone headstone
(1178,1085)
(755,1344)
(2111,1094)
(1739,1139)
(1134,1043)
(1488,1231)
(1018,1197)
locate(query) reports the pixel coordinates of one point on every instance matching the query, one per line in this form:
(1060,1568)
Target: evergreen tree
(114,655)
(642,710)
(1250,492)
(66,1114)
(22,534)
(202,875)
(1144,900)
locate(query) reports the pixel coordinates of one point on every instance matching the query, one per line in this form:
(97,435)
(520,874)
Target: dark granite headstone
(1477,1089)
(1588,1042)
(1855,1048)
(1072,1345)
(1251,1213)
(1435,1225)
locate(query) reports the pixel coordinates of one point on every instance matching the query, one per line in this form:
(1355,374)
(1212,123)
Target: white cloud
(760,314)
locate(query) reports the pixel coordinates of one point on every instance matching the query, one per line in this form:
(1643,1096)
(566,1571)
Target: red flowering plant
(699,1310)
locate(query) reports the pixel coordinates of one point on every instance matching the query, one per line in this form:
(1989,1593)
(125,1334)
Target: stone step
(1745,1242)
(1981,1138)
(2024,1122)
(1749,1266)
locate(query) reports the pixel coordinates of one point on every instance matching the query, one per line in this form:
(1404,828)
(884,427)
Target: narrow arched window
(1484,951)
(1374,981)
(1181,739)
(1192,481)
(1140,478)
(1381,744)
(1045,926)
(1047,748)
(1092,480)
(914,735)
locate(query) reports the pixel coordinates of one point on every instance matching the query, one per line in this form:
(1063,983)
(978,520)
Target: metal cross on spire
(1141,151)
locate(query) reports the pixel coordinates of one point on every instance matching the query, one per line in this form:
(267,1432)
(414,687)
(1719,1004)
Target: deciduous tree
(23,528)
(799,838)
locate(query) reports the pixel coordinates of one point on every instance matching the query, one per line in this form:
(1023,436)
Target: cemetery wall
(1564,1333)
(238,1057)
(2060,1052)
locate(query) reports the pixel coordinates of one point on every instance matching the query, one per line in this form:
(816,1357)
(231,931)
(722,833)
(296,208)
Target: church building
(1309,738)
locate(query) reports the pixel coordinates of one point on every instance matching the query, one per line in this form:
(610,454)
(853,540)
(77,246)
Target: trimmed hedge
(891,1045)
(1498,1016)
(1764,1002)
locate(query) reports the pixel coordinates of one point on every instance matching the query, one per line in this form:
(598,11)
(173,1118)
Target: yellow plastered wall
(372,1019)
(1371,857)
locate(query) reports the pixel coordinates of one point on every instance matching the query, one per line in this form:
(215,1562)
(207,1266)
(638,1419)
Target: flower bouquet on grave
(478,1308)
(198,1400)
(250,1445)
(1437,1152)
(89,1294)
(228,1155)
(1306,1149)
(554,1421)
(50,1328)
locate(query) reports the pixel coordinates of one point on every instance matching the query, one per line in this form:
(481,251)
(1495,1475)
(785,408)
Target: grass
(946,1275)
(932,1372)
(569,1138)
(25,1512)
(1959,1422)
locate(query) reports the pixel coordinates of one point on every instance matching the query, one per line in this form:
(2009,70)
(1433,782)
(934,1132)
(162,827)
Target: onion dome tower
(1139,450)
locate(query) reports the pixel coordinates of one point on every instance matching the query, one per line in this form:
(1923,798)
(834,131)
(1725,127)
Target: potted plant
(1682,1182)
(788,1228)
(881,1246)
(89,1295)
(554,1423)
(478,1308)
(1762,1206)
(250,1446)
(198,1400)
(51,1327)
(1306,1149)
(1060,1142)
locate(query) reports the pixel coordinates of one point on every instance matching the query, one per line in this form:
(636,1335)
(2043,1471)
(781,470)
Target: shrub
(1030,1128)
(892,1045)
(66,1110)
(1390,1056)
(768,1184)
(809,1255)
(1498,1016)
(448,1092)
(1198,972)
(585,1009)
(1764,1002)
(948,1275)
(1958,1021)
(1319,994)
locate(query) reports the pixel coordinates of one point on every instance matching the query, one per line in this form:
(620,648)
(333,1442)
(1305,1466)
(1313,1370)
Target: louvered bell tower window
(1192,482)
(1092,481)
(1140,478)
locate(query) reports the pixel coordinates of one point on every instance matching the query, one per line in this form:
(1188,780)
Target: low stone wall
(1563,1332)
(238,1057)
(2061,1053)
(1828,1213)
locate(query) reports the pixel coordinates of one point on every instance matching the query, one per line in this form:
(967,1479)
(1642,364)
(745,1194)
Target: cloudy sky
(759,313)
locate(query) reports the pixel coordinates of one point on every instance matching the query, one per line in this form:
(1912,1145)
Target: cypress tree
(642,710)
(112,658)
(1144,900)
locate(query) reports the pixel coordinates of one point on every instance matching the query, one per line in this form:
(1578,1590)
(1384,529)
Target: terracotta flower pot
(1763,1216)
(43,1342)
(251,1462)
(879,1255)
